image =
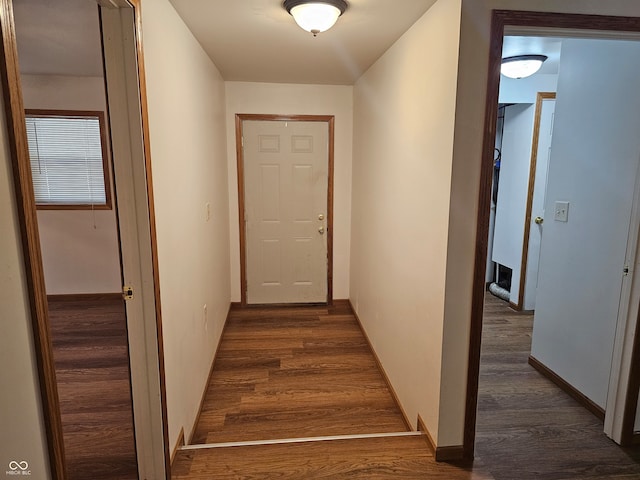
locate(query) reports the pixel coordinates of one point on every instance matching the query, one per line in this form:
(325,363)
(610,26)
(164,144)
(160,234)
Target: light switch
(561,212)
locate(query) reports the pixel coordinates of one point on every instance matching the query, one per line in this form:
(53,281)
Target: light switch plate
(561,212)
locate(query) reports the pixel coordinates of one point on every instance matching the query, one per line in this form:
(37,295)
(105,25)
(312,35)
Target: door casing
(240,118)
(500,20)
(541,97)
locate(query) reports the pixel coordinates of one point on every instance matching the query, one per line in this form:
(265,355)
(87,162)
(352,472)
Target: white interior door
(537,205)
(135,237)
(590,192)
(286,187)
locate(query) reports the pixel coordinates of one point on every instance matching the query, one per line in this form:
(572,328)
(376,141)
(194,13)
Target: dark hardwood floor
(304,372)
(527,427)
(291,373)
(92,371)
(379,458)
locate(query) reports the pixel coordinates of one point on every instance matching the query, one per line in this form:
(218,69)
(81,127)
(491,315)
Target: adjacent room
(63,87)
(562,135)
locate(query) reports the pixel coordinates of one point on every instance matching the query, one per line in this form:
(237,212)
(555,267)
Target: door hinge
(127,292)
(625,270)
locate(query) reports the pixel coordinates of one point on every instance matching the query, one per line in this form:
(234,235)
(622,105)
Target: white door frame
(524,263)
(240,118)
(134,199)
(626,326)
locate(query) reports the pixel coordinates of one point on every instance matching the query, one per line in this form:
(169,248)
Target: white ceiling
(258,41)
(520,45)
(58,37)
(249,40)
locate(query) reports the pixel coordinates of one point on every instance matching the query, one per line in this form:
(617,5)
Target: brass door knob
(539,220)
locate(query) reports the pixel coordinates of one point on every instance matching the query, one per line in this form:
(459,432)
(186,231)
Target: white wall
(403,137)
(525,90)
(186,103)
(80,251)
(269,98)
(512,190)
(595,153)
(470,110)
(22,434)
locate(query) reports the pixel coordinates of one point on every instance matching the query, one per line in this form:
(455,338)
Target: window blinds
(66,160)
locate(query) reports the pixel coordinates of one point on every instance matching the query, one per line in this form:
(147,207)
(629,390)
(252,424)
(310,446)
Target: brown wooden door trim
(32,255)
(541,97)
(500,19)
(330,120)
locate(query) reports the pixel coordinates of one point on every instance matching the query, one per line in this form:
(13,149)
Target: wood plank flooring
(92,371)
(292,373)
(381,458)
(304,372)
(527,427)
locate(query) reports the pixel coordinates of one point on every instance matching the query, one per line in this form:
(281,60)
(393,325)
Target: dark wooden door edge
(330,120)
(499,19)
(449,454)
(573,392)
(32,256)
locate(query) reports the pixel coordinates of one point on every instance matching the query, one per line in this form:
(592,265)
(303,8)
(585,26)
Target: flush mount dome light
(315,16)
(521,66)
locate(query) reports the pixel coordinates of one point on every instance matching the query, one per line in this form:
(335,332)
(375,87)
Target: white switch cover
(561,212)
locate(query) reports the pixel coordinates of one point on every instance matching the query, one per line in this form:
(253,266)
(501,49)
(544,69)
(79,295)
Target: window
(68,159)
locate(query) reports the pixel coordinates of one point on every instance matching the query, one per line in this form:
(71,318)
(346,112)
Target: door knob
(539,220)
(321,230)
(321,217)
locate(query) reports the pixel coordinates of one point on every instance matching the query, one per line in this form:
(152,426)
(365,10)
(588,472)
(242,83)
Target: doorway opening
(614,392)
(124,168)
(72,172)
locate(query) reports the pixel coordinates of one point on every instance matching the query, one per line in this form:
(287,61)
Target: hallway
(283,373)
(308,372)
(292,373)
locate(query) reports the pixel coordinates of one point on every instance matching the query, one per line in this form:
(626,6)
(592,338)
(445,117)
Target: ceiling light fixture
(521,66)
(315,16)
